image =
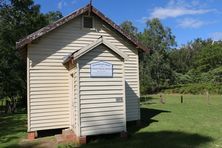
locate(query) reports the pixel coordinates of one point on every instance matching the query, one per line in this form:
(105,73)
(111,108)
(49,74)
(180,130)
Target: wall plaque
(101,69)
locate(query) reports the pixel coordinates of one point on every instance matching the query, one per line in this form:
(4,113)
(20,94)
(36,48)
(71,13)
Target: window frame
(93,28)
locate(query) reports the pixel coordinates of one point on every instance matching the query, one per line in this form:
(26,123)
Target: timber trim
(77,54)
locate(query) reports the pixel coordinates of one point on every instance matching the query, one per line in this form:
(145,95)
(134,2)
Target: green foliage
(217,75)
(157,37)
(195,88)
(197,62)
(209,57)
(128,27)
(182,78)
(53,16)
(198,65)
(155,67)
(181,60)
(18,19)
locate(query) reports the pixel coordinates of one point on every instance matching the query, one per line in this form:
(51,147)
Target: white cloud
(188,4)
(163,13)
(216,36)
(142,20)
(191,23)
(176,8)
(61,4)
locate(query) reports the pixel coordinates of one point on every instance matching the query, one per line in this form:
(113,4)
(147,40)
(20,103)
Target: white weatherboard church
(82,74)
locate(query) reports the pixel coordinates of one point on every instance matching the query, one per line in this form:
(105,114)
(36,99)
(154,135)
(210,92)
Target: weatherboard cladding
(49,79)
(104,93)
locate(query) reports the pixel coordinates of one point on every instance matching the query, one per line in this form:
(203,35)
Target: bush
(196,88)
(182,78)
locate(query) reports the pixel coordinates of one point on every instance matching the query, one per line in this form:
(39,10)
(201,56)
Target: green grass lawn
(195,123)
(12,129)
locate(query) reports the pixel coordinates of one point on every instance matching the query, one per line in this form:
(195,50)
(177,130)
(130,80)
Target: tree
(157,37)
(209,57)
(155,70)
(17,19)
(128,27)
(53,16)
(197,60)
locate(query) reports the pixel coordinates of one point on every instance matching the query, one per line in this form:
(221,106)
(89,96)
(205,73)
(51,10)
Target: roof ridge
(35,35)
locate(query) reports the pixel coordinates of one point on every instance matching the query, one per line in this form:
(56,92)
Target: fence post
(181,99)
(208,97)
(162,100)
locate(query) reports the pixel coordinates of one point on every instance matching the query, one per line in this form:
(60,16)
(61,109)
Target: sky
(188,19)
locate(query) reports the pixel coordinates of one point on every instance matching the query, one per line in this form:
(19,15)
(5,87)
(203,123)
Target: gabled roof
(88,8)
(77,54)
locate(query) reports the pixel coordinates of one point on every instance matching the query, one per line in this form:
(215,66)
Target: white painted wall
(48,81)
(99,110)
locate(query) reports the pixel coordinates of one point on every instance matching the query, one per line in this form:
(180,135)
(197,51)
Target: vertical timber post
(162,99)
(181,99)
(208,97)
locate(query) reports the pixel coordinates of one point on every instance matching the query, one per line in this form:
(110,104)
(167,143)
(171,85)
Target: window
(87,22)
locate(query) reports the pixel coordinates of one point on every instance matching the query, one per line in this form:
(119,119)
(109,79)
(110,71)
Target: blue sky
(188,19)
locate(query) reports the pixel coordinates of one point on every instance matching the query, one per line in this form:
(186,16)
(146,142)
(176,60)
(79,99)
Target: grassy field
(12,129)
(194,123)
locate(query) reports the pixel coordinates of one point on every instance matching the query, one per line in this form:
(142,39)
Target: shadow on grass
(167,139)
(12,128)
(13,132)
(147,99)
(146,119)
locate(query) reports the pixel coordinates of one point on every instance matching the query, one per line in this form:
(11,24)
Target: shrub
(196,88)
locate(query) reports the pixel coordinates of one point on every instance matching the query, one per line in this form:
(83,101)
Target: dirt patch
(47,142)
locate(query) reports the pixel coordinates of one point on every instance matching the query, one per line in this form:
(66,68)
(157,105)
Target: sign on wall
(101,69)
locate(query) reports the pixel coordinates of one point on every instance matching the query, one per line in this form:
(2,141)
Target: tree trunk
(7,107)
(13,106)
(10,106)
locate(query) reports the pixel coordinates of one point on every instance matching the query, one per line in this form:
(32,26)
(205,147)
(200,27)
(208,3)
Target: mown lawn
(12,129)
(194,123)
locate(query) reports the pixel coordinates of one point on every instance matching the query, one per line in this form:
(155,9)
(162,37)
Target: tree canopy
(199,62)
(17,19)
